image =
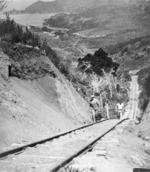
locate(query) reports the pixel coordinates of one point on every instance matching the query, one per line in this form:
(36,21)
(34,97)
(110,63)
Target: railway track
(133,102)
(100,151)
(19,149)
(53,153)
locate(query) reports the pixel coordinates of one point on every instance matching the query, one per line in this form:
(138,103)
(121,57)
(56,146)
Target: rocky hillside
(36,100)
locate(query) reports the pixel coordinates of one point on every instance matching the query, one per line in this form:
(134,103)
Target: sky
(20,4)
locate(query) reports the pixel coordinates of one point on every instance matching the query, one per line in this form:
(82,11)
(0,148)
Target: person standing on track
(95,105)
(120,107)
(107,109)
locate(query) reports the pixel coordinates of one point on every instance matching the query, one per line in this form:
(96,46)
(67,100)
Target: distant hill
(107,15)
(79,5)
(41,7)
(73,5)
(60,6)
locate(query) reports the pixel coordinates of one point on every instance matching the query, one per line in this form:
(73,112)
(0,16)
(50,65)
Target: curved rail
(85,149)
(22,148)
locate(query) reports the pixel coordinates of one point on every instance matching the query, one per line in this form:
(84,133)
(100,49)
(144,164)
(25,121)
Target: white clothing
(95,104)
(120,109)
(93,115)
(107,110)
(120,106)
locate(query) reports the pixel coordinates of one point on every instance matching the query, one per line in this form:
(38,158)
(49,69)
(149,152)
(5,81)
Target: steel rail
(22,148)
(85,149)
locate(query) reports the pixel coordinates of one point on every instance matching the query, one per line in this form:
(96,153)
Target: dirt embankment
(36,102)
(144,127)
(134,111)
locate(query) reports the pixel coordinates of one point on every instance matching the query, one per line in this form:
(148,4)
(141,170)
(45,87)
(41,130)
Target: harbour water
(29,19)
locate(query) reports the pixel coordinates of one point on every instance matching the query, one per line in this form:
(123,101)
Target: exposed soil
(121,150)
(45,157)
(36,105)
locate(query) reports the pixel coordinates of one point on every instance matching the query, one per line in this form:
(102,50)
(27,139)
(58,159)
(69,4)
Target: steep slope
(35,103)
(144,128)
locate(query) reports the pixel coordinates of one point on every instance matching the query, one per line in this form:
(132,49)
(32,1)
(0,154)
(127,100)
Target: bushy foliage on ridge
(14,33)
(97,63)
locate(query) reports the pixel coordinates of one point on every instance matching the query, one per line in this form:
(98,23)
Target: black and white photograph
(74,85)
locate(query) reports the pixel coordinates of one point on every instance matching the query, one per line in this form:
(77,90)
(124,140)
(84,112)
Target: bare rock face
(31,72)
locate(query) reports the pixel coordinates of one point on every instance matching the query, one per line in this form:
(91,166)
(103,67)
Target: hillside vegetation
(134,55)
(59,6)
(105,23)
(36,99)
(75,6)
(50,87)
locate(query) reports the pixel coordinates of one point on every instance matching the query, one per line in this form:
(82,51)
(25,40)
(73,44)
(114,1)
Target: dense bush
(59,20)
(62,65)
(14,33)
(74,22)
(97,63)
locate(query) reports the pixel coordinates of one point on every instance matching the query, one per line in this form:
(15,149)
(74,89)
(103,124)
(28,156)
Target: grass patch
(144,40)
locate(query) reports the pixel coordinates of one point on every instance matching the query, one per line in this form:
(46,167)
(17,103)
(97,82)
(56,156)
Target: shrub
(14,33)
(97,63)
(71,169)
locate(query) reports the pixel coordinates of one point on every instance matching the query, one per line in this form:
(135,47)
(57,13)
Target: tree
(3,5)
(98,62)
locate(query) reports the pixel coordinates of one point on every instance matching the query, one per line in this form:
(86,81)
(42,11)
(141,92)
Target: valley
(55,56)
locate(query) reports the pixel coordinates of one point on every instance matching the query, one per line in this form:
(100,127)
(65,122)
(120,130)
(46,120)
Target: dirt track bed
(47,156)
